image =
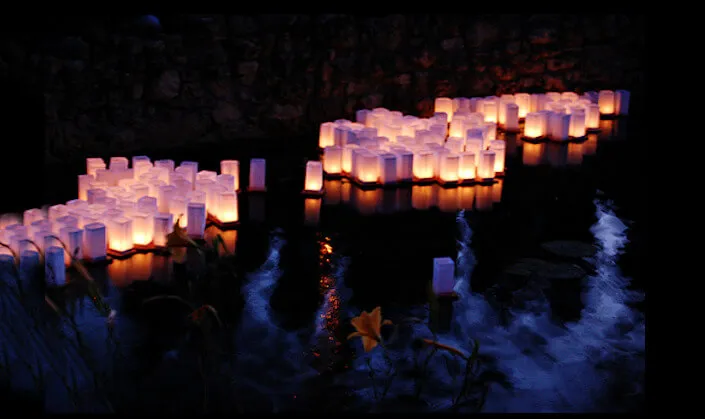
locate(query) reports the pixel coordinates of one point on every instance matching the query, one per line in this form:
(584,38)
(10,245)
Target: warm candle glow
(532,126)
(231,167)
(178,207)
(120,234)
(485,167)
(333,160)
(423,164)
(449,167)
(606,100)
(388,168)
(313,181)
(444,104)
(592,117)
(142,228)
(227,207)
(163,225)
(500,149)
(576,128)
(466,166)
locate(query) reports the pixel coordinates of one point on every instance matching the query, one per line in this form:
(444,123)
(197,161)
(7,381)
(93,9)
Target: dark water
(290,302)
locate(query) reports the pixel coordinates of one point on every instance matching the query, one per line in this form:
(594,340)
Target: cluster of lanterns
(459,143)
(123,207)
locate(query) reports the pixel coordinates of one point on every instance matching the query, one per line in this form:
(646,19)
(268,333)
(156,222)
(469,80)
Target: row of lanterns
(459,143)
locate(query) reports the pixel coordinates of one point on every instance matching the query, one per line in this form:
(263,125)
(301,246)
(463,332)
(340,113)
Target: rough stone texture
(111,88)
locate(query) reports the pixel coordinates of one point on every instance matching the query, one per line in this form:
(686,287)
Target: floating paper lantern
(523,101)
(227,207)
(142,228)
(367,167)
(120,234)
(490,109)
(93,164)
(569,96)
(423,164)
(575,154)
(164,195)
(196,219)
(448,199)
(163,225)
(444,104)
(606,101)
(592,117)
(32,215)
(95,241)
(532,126)
(388,168)
(443,275)
(504,100)
(438,154)
(197,196)
(466,166)
(55,266)
(84,182)
(313,181)
(140,167)
(511,117)
(500,149)
(449,166)
(347,158)
(576,127)
(226,180)
(147,204)
(66,221)
(258,175)
(73,237)
(621,98)
(455,144)
(178,208)
(231,167)
(333,160)
(361,116)
(485,166)
(559,125)
(56,211)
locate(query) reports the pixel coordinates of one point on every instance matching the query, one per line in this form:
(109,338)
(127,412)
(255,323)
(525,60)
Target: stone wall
(117,87)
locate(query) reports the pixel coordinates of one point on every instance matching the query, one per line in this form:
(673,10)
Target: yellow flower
(368,326)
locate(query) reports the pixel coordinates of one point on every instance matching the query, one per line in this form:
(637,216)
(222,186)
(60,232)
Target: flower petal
(368,343)
(353,334)
(358,323)
(386,322)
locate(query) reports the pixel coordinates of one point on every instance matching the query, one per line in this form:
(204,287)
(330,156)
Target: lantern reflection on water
(388,168)
(423,196)
(621,99)
(532,154)
(449,167)
(483,197)
(312,211)
(333,191)
(366,200)
(448,199)
(120,233)
(575,153)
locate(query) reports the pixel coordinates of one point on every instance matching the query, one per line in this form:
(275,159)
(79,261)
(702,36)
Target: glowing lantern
(164,196)
(196,213)
(448,199)
(367,167)
(84,182)
(474,145)
(490,108)
(227,207)
(536,101)
(231,167)
(313,181)
(361,116)
(55,266)
(449,168)
(388,168)
(443,275)
(523,101)
(119,163)
(423,164)
(120,234)
(533,126)
(592,117)
(405,164)
(455,144)
(559,125)
(500,149)
(191,167)
(142,228)
(258,175)
(457,127)
(621,102)
(93,195)
(347,157)
(553,96)
(333,160)
(461,103)
(489,130)
(485,167)
(73,237)
(511,117)
(606,101)
(228,181)
(576,128)
(342,135)
(65,221)
(56,211)
(444,104)
(168,164)
(147,204)
(504,100)
(197,196)
(569,96)
(140,167)
(178,208)
(466,166)
(93,164)
(163,225)
(438,154)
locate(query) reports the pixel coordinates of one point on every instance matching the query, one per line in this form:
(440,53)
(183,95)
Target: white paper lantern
(142,228)
(120,233)
(361,116)
(423,164)
(388,168)
(93,164)
(504,100)
(485,167)
(444,104)
(466,166)
(455,144)
(490,131)
(55,266)
(621,98)
(559,124)
(163,225)
(164,195)
(576,128)
(523,101)
(443,275)
(490,108)
(312,211)
(449,167)
(73,237)
(532,126)
(231,167)
(95,241)
(196,219)
(606,100)
(592,117)
(511,122)
(367,166)
(500,149)
(119,163)
(313,181)
(227,209)
(405,165)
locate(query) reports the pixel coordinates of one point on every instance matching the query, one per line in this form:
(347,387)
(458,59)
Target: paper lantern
(361,116)
(621,98)
(461,103)
(457,127)
(485,166)
(55,266)
(523,101)
(511,122)
(533,126)
(140,167)
(178,208)
(466,166)
(93,164)
(592,117)
(142,228)
(120,233)
(388,168)
(84,182)
(313,180)
(444,104)
(569,96)
(258,174)
(423,164)
(455,144)
(226,180)
(536,101)
(190,167)
(559,125)
(66,221)
(504,100)
(490,108)
(73,238)
(32,215)
(197,196)
(212,197)
(342,135)
(312,211)
(119,163)
(165,163)
(227,207)
(56,211)
(231,167)
(137,159)
(196,219)
(164,195)
(490,131)
(347,157)
(207,175)
(438,154)
(163,225)
(606,101)
(95,241)
(576,125)
(449,166)
(367,167)
(443,275)
(370,143)
(333,160)
(500,149)
(405,165)
(147,204)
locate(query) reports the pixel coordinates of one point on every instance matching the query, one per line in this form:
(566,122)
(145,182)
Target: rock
(167,86)
(569,249)
(530,269)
